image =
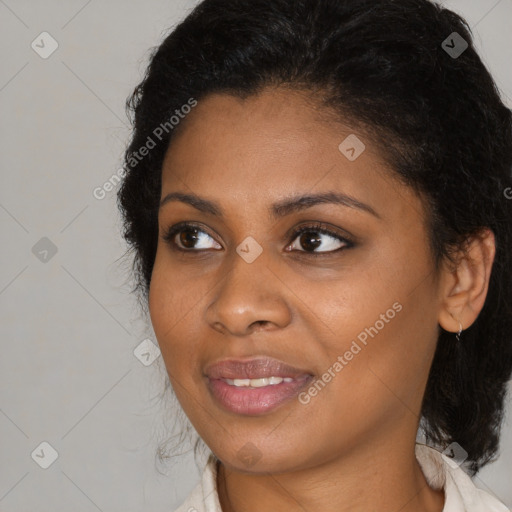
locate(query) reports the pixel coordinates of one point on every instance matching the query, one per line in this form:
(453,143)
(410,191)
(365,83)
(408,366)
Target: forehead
(278,142)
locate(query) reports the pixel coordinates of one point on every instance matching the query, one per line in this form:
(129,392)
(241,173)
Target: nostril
(260,323)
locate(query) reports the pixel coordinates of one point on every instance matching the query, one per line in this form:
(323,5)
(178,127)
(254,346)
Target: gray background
(69,328)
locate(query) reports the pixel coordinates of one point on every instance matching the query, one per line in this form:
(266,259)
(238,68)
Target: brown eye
(188,237)
(185,237)
(191,238)
(310,238)
(310,241)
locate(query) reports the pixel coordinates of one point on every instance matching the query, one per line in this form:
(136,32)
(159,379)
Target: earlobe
(464,286)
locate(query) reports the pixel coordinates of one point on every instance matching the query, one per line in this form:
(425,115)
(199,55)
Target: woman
(315,195)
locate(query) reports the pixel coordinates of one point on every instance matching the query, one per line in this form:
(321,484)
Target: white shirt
(461,494)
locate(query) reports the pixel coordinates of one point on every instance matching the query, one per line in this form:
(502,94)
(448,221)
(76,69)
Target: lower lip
(255,401)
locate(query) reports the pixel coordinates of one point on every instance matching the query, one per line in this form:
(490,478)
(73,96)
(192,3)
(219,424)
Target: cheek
(386,330)
(378,381)
(170,313)
(397,360)
(171,307)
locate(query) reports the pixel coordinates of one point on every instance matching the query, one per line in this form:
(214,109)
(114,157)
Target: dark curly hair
(437,118)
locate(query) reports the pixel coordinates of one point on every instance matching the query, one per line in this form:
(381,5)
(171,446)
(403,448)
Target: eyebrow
(277,210)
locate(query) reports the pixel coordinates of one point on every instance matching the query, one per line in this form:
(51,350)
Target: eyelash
(313,228)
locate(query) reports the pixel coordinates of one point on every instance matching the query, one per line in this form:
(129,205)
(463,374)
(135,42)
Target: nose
(249,298)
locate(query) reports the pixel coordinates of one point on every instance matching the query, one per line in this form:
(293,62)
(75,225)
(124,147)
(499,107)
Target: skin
(352,446)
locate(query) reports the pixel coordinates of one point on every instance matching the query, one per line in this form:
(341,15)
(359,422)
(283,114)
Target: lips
(250,401)
(255,368)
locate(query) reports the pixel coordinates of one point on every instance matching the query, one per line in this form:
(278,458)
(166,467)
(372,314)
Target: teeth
(257,383)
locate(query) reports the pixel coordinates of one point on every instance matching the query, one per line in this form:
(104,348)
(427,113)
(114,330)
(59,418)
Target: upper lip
(255,368)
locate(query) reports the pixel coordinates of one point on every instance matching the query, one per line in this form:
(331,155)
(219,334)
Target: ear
(464,285)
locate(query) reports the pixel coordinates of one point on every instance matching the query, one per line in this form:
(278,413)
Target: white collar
(461,494)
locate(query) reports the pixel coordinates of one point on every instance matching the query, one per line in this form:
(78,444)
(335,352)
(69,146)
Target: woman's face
(355,312)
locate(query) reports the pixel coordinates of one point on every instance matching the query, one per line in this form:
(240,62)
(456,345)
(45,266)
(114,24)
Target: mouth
(257,383)
(255,386)
(253,368)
